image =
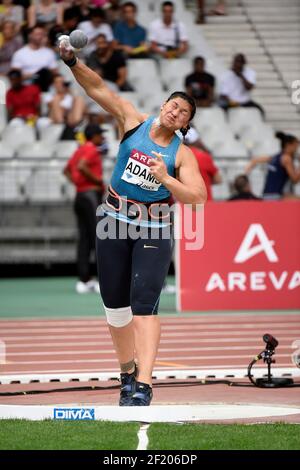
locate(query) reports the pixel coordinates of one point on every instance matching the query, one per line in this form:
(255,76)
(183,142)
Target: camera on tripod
(266,355)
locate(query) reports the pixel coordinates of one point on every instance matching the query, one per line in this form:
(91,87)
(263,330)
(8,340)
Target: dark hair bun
(280,135)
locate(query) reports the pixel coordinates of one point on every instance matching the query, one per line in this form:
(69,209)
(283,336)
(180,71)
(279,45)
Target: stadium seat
(45,184)
(267,147)
(65,148)
(12,183)
(230,148)
(6,151)
(206,118)
(146,92)
(173,73)
(36,150)
(51,134)
(215,136)
(141,69)
(252,136)
(16,136)
(241,118)
(152,103)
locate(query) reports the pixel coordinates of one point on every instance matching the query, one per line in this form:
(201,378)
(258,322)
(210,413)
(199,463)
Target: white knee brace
(118,317)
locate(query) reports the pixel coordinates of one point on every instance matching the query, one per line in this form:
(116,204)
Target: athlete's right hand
(66,51)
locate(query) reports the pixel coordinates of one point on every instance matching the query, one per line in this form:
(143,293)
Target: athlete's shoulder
(184,150)
(184,155)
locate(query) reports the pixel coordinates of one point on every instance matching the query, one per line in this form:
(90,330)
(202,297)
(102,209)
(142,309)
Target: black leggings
(132,272)
(85,207)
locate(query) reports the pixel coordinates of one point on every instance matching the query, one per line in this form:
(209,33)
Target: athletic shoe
(127,387)
(87,287)
(142,395)
(82,288)
(169,289)
(93,286)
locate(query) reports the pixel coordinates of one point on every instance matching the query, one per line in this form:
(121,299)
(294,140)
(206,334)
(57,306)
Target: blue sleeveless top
(277,176)
(131,177)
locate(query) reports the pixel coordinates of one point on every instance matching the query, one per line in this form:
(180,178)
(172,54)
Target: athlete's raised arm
(95,87)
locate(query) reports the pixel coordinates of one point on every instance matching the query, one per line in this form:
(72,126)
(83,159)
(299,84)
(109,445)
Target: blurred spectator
(281,168)
(46,13)
(71,18)
(10,42)
(110,64)
(93,27)
(236,85)
(208,169)
(63,106)
(112,11)
(130,37)
(83,8)
(219,9)
(36,62)
(22,101)
(168,36)
(200,84)
(84,170)
(242,189)
(15,13)
(23,3)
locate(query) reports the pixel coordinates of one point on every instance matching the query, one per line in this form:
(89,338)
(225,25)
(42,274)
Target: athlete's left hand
(158,167)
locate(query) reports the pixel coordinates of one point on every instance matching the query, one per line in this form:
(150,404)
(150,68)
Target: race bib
(137,172)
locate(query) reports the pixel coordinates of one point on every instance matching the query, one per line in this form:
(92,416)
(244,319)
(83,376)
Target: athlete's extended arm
(189,188)
(256,161)
(125,113)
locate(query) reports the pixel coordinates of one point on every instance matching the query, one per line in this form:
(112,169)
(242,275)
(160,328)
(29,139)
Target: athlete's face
(293,147)
(175,114)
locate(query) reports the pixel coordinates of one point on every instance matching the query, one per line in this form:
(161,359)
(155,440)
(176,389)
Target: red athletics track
(204,342)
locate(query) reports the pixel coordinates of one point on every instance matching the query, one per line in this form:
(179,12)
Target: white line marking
(154,413)
(186,316)
(142,437)
(56,344)
(207,371)
(165,327)
(81,352)
(200,334)
(159,358)
(159,374)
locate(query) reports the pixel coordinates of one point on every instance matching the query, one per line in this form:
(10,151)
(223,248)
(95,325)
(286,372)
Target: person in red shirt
(84,170)
(209,171)
(22,101)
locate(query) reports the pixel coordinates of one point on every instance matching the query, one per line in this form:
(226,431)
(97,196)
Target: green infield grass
(97,435)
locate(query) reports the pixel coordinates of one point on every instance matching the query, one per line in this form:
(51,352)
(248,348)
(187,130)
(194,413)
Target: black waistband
(115,201)
(159,211)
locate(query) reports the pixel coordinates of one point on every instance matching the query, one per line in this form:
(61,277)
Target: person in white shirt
(168,37)
(36,61)
(92,28)
(63,105)
(236,85)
